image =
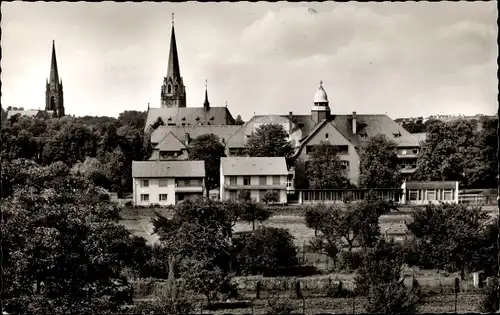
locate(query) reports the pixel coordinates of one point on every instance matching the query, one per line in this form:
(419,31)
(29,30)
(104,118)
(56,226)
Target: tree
(378,165)
(269,140)
(133,118)
(271,196)
(197,238)
(251,211)
(414,126)
(379,278)
(61,243)
(93,170)
(483,170)
(159,122)
(238,120)
(279,252)
(324,169)
(448,236)
(447,152)
(209,149)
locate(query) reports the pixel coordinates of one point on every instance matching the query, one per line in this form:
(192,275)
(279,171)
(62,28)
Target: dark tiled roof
(154,169)
(224,132)
(431,185)
(191,115)
(234,166)
(170,143)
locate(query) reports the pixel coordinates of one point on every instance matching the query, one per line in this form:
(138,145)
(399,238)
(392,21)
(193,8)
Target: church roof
(54,74)
(224,132)
(190,115)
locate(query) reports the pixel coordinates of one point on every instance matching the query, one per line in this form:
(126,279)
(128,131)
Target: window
(413,195)
(402,165)
(180,183)
(289,181)
(163,197)
(144,197)
(180,197)
(448,195)
(262,180)
(163,182)
(232,180)
(415,151)
(276,180)
(403,151)
(326,135)
(431,195)
(344,164)
(342,149)
(310,149)
(262,193)
(246,180)
(145,183)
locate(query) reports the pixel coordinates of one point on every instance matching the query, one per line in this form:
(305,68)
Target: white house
(429,192)
(256,174)
(167,182)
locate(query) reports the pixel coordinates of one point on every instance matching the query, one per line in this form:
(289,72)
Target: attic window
(169,118)
(197,118)
(183,118)
(211,117)
(363,135)
(326,135)
(208,123)
(397,135)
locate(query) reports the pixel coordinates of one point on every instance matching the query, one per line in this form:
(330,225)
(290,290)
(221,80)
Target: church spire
(54,75)
(206,104)
(173,92)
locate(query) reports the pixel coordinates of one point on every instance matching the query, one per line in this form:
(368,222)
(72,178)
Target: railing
(476,199)
(341,195)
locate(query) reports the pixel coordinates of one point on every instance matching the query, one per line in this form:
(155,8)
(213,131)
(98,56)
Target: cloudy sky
(403,59)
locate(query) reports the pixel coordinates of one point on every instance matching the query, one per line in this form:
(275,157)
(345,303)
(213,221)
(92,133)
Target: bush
(280,305)
(391,298)
(267,249)
(490,303)
(349,261)
(174,299)
(128,203)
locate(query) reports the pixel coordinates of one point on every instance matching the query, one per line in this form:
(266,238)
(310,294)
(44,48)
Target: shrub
(267,249)
(279,305)
(349,261)
(490,303)
(390,298)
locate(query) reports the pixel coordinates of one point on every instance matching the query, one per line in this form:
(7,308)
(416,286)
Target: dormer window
(169,118)
(397,135)
(197,118)
(208,123)
(211,117)
(326,136)
(183,118)
(363,135)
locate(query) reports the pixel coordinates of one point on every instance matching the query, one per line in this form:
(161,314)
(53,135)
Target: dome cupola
(320,96)
(320,110)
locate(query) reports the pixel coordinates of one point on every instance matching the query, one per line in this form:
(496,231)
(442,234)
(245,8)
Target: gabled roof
(224,132)
(247,166)
(191,115)
(170,143)
(155,169)
(420,136)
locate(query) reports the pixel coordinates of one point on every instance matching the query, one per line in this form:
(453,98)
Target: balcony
(189,189)
(407,168)
(407,156)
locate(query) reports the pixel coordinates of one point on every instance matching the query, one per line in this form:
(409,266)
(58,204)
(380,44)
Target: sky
(403,59)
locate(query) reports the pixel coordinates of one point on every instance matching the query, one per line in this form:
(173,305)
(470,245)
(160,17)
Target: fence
(308,196)
(477,199)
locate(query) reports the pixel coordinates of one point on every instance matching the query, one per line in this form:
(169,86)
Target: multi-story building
(255,174)
(167,182)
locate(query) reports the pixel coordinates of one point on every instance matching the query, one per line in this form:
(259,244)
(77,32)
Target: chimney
(186,139)
(354,123)
(290,123)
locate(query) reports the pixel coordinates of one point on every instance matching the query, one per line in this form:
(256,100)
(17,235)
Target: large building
(54,98)
(173,111)
(347,132)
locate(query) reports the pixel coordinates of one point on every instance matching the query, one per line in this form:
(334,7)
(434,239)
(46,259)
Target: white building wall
(154,190)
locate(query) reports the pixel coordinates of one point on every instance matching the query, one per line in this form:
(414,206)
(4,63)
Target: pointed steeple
(206,104)
(173,93)
(54,75)
(173,59)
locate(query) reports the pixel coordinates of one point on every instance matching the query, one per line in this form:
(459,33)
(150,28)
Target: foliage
(269,140)
(280,305)
(324,169)
(414,126)
(251,211)
(238,120)
(279,252)
(379,164)
(197,238)
(271,196)
(159,122)
(93,170)
(483,171)
(61,241)
(490,301)
(379,278)
(447,236)
(487,252)
(448,152)
(209,149)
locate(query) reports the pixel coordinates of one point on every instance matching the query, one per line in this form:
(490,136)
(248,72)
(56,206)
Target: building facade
(421,193)
(167,182)
(255,174)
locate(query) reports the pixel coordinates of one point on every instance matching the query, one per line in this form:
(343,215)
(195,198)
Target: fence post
(257,290)
(303,306)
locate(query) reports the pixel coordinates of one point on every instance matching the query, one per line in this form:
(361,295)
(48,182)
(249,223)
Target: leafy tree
(378,165)
(279,252)
(483,169)
(379,278)
(490,302)
(269,140)
(159,122)
(93,170)
(238,120)
(61,243)
(324,169)
(209,149)
(133,118)
(251,211)
(414,126)
(197,238)
(447,236)
(271,196)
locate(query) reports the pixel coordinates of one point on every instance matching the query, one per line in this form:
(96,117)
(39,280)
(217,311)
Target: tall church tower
(173,93)
(54,91)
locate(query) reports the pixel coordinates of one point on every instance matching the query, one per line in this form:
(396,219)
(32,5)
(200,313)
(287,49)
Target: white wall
(254,181)
(154,190)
